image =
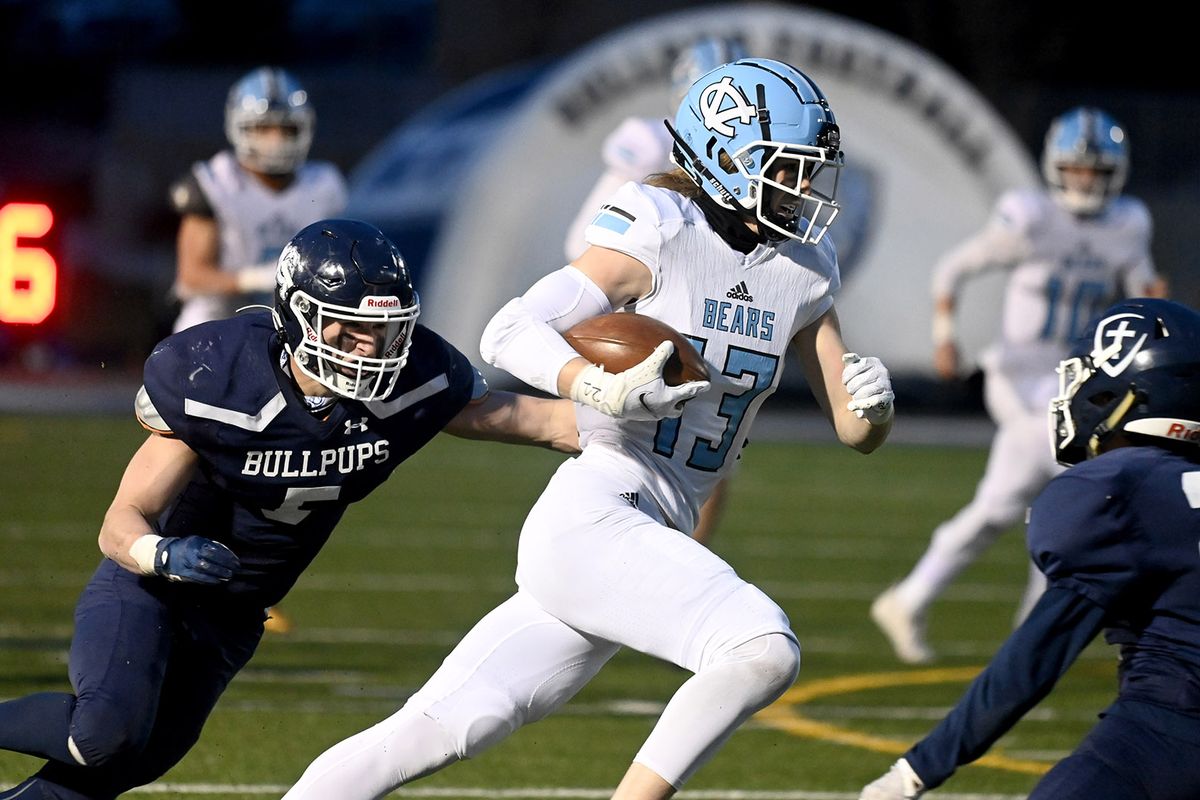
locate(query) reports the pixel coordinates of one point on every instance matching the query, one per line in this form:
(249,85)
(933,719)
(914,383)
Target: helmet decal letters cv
(1110,351)
(716,118)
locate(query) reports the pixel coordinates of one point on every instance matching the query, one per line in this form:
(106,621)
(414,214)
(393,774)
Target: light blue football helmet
(704,54)
(1086,137)
(269,96)
(759,137)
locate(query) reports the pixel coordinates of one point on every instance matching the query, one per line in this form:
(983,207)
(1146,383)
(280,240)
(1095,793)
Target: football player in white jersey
(239,208)
(1071,249)
(641,146)
(604,558)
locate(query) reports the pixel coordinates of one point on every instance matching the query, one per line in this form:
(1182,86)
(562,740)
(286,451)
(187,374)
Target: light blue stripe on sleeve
(611,221)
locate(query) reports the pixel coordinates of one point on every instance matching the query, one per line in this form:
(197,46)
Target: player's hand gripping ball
(622,340)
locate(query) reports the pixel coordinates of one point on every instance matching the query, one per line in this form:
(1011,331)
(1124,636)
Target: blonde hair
(677,181)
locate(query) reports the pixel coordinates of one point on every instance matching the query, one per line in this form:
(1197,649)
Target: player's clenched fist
(870,387)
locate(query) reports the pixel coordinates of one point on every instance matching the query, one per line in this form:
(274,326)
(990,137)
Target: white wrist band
(943,328)
(143,550)
(590,388)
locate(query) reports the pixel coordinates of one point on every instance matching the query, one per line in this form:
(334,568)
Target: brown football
(620,340)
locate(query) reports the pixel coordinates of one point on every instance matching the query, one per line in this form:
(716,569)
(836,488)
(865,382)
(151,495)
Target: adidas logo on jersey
(740,292)
(630,497)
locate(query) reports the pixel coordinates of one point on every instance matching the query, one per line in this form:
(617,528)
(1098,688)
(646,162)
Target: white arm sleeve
(1003,242)
(523,338)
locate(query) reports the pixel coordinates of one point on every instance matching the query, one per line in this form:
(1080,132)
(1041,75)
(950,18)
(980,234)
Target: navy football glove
(194,559)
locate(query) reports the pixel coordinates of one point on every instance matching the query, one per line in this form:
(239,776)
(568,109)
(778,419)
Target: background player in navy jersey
(1116,537)
(264,428)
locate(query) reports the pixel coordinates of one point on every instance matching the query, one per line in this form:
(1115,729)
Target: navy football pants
(147,668)
(1137,752)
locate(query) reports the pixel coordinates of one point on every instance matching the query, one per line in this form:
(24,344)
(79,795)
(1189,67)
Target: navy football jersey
(1118,537)
(274,478)
(1123,529)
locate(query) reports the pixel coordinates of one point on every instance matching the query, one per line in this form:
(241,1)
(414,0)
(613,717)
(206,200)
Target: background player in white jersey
(1071,249)
(641,146)
(239,208)
(605,559)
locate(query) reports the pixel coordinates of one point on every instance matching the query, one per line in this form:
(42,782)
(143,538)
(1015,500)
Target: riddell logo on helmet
(381,302)
(1187,433)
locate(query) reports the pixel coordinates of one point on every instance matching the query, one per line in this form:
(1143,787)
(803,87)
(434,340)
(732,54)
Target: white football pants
(595,573)
(1019,466)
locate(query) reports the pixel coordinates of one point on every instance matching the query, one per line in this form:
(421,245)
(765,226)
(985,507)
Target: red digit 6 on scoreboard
(28,275)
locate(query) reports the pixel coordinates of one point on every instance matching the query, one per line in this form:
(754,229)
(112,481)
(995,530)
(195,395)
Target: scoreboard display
(28,272)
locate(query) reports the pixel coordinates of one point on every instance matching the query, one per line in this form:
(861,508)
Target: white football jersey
(255,222)
(739,310)
(1065,269)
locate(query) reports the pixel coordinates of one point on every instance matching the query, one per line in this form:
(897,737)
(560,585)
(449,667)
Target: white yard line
(542,793)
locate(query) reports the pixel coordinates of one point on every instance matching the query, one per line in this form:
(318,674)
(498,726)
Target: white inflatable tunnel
(926,158)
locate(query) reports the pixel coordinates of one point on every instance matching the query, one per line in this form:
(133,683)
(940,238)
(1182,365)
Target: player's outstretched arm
(1023,671)
(519,419)
(854,392)
(154,477)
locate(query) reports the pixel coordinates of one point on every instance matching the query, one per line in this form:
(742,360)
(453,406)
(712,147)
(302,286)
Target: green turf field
(818,527)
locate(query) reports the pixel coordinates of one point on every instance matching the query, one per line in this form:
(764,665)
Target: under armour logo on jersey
(630,497)
(352,426)
(740,292)
(716,118)
(1117,342)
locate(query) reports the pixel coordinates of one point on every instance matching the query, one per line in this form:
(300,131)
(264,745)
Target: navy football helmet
(1090,138)
(1137,370)
(345,271)
(704,54)
(269,96)
(759,137)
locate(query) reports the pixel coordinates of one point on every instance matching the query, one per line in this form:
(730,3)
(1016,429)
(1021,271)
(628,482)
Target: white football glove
(898,783)
(638,393)
(870,388)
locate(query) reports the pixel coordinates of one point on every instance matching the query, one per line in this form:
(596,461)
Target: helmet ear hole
(725,162)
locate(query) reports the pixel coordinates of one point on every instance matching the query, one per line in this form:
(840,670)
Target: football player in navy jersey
(264,428)
(239,208)
(1116,536)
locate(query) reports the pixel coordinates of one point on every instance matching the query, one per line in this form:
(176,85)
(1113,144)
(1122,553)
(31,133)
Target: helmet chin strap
(1110,423)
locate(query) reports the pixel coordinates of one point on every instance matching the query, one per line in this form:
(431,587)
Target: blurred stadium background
(109,100)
